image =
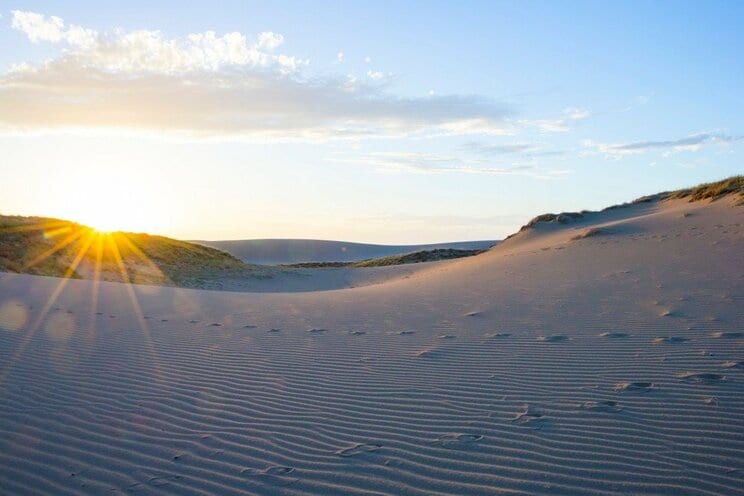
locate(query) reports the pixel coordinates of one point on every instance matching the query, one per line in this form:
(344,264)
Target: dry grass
(50,247)
(407,258)
(712,191)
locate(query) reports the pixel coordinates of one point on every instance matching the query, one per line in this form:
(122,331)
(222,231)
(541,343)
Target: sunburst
(78,244)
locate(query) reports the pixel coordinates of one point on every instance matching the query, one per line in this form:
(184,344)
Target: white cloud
(368,59)
(39,28)
(376,75)
(562,124)
(269,41)
(209,85)
(477,125)
(144,50)
(340,57)
(691,143)
(576,114)
(262,104)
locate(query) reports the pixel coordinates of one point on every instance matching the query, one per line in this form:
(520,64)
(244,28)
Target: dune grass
(403,259)
(712,191)
(51,247)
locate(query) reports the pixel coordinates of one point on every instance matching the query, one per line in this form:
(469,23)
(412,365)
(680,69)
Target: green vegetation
(407,258)
(51,247)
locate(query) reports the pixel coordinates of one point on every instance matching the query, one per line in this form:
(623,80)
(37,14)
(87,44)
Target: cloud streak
(429,163)
(689,143)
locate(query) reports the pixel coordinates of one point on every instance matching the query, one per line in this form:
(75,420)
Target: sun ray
(47,307)
(47,227)
(98,240)
(142,255)
(54,249)
(136,306)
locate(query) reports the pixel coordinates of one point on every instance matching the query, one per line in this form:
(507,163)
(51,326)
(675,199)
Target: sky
(385,122)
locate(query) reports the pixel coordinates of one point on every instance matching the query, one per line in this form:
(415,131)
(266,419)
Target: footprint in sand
(727,335)
(496,335)
(601,406)
(163,320)
(158,481)
(457,440)
(553,338)
(275,471)
(215,325)
(249,326)
(614,335)
(731,364)
(112,316)
(531,418)
(274,330)
(193,321)
(640,387)
(446,336)
(316,330)
(276,474)
(358,449)
(99,313)
(429,354)
(405,333)
(670,340)
(357,333)
(701,377)
(473,314)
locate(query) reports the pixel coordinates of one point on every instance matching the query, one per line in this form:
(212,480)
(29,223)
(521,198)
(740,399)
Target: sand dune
(290,251)
(556,363)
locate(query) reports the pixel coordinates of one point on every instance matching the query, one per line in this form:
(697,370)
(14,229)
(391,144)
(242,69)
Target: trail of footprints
(529,417)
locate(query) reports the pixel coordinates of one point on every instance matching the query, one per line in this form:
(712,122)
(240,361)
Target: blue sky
(374,122)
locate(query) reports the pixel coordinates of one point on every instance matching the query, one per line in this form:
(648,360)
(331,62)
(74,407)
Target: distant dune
(292,251)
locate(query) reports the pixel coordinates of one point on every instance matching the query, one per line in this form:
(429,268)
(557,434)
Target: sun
(114,199)
(107,219)
(115,214)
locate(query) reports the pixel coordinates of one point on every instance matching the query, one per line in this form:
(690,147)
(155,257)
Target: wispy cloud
(690,143)
(521,149)
(431,163)
(489,149)
(559,125)
(377,75)
(213,86)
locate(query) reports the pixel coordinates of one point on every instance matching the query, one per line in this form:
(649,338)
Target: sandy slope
(612,364)
(289,251)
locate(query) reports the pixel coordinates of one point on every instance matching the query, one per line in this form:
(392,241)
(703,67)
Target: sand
(290,251)
(556,363)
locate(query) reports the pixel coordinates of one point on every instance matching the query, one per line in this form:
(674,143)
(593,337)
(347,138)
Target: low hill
(293,251)
(407,258)
(52,247)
